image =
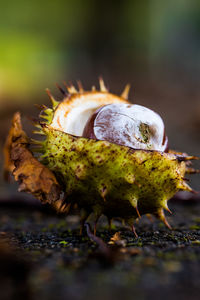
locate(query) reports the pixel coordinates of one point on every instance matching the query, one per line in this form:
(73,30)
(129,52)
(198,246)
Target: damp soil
(42,256)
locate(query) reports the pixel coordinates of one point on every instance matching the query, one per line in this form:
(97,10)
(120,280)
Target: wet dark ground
(42,256)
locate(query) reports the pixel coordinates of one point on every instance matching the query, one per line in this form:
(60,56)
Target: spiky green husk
(110,179)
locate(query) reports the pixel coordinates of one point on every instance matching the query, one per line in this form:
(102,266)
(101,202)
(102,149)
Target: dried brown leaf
(116,237)
(15,130)
(33,177)
(117,240)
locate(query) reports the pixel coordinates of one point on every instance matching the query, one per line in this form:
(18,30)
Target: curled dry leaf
(16,129)
(33,177)
(116,239)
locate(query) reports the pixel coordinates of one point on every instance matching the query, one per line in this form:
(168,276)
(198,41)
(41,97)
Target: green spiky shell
(108,174)
(110,179)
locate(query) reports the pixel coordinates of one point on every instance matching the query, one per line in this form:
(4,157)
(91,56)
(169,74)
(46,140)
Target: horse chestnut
(133,126)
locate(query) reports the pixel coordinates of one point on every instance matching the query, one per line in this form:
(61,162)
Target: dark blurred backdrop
(152,44)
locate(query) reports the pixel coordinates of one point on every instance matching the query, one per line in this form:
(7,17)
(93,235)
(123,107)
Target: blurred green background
(152,44)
